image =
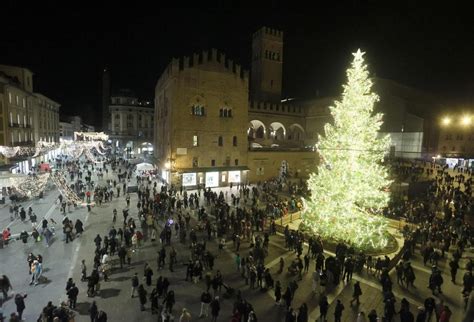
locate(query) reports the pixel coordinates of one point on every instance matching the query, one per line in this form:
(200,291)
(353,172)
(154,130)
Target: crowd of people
(248,214)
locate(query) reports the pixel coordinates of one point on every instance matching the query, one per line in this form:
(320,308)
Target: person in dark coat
(93,311)
(154,301)
(288,297)
(290,316)
(338,311)
(323,307)
(72,295)
(215,308)
(277,293)
(24,236)
(357,293)
(148,274)
(169,301)
(142,296)
(302,313)
(79,227)
(20,304)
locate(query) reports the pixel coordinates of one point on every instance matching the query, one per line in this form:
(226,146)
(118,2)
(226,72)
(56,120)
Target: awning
(215,169)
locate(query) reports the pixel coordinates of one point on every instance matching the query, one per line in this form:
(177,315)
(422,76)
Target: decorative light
(446,121)
(91,136)
(349,188)
(31,185)
(466,120)
(60,181)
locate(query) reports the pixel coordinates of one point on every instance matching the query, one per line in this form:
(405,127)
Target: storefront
(25,165)
(210,177)
(455,162)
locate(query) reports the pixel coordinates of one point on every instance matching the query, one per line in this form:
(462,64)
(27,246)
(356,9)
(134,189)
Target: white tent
(145,166)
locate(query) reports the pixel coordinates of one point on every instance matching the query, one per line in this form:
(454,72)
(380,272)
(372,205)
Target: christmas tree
(349,188)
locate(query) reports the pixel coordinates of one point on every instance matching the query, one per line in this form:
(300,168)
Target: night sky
(67,48)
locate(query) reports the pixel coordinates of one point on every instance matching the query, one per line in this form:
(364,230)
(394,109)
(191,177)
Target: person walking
(215,308)
(142,293)
(72,295)
(83,270)
(20,304)
(357,293)
(154,301)
(205,302)
(302,313)
(93,311)
(338,311)
(135,283)
(454,266)
(277,293)
(148,274)
(323,308)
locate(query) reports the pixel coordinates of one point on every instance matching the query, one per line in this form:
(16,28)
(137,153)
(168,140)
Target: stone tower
(267,63)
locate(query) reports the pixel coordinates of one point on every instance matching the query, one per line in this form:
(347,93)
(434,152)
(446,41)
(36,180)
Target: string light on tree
(349,188)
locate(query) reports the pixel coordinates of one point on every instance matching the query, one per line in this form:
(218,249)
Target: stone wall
(265,165)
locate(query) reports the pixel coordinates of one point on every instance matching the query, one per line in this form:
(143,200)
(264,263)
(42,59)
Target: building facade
(131,127)
(201,108)
(46,119)
(205,103)
(26,117)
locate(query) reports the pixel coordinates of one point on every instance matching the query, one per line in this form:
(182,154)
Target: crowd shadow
(109,292)
(82,308)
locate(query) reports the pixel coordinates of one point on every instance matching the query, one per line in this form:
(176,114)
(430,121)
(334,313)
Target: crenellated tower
(267,65)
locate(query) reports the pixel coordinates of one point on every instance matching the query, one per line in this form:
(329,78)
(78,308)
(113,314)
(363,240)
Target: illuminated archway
(257,130)
(277,131)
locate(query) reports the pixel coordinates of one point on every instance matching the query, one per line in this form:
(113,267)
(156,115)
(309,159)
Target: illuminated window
(195,140)
(197,110)
(18,100)
(9,97)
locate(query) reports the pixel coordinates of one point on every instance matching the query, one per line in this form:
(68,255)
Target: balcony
(14,125)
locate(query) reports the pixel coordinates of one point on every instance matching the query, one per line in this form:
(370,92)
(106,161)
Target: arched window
(197,110)
(220,141)
(234,141)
